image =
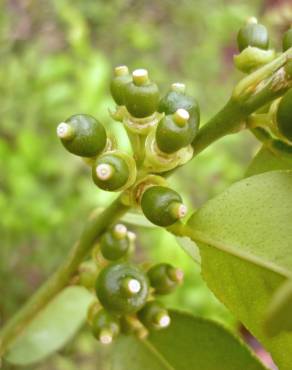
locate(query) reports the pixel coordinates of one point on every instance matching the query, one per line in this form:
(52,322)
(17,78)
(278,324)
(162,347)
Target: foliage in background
(56,60)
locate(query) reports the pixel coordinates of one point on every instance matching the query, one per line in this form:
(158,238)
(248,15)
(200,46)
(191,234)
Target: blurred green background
(56,59)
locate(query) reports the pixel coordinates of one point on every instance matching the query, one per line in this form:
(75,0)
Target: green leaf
(188,343)
(279,313)
(52,328)
(190,247)
(245,241)
(268,160)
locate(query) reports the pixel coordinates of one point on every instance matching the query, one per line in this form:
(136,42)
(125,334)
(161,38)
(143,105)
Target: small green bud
(284,116)
(287,40)
(141,95)
(114,171)
(105,327)
(253,34)
(164,278)
(173,132)
(82,135)
(122,288)
(115,243)
(176,99)
(154,316)
(162,206)
(118,83)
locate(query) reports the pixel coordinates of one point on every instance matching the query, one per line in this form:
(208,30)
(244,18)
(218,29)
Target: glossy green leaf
(188,343)
(279,313)
(52,328)
(268,160)
(245,241)
(190,247)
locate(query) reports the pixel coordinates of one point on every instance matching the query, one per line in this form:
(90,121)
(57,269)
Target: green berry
(114,171)
(164,278)
(118,83)
(82,135)
(176,99)
(173,132)
(115,243)
(154,316)
(105,327)
(253,34)
(122,288)
(284,115)
(287,40)
(141,95)
(162,206)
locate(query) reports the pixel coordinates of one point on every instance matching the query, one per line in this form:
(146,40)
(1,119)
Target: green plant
(242,235)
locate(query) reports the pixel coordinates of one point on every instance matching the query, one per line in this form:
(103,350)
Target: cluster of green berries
(165,126)
(253,43)
(127,293)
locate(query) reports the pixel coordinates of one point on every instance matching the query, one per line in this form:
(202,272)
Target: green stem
(254,91)
(138,146)
(93,229)
(228,120)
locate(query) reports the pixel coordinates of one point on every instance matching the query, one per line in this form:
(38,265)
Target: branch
(250,94)
(94,227)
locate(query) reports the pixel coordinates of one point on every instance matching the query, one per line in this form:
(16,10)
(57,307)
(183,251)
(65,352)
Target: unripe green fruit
(122,288)
(154,316)
(162,206)
(141,95)
(284,115)
(164,278)
(105,327)
(173,132)
(118,83)
(287,40)
(176,99)
(115,243)
(114,171)
(253,34)
(82,135)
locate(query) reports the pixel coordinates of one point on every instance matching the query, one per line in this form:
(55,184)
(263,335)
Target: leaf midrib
(156,353)
(200,237)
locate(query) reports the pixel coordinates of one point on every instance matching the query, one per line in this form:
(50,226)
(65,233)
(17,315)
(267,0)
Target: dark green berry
(105,327)
(154,316)
(82,135)
(173,132)
(118,83)
(164,278)
(176,99)
(114,171)
(141,95)
(162,206)
(253,34)
(115,243)
(284,115)
(287,40)
(122,288)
